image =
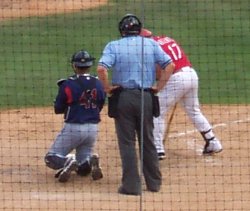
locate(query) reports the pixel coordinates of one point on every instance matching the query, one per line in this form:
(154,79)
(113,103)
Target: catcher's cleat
(58,173)
(84,169)
(64,174)
(212,147)
(96,171)
(161,156)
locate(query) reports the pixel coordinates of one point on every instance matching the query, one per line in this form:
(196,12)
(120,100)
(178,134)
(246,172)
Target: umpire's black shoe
(121,190)
(155,189)
(96,171)
(70,165)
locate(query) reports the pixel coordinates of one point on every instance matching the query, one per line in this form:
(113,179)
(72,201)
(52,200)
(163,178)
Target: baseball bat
(169,123)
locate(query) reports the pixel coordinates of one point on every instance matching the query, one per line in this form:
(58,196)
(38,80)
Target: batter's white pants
(181,88)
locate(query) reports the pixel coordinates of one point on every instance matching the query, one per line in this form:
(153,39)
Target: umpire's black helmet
(130,25)
(82,59)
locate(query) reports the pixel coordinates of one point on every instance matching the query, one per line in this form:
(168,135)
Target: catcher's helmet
(82,59)
(130,25)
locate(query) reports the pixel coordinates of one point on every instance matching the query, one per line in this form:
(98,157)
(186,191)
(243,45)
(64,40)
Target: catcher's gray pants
(128,123)
(78,137)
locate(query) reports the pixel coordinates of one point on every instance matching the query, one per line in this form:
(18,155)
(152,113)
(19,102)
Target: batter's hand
(154,89)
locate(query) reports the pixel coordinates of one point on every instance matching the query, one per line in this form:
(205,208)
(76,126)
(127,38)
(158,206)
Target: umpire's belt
(140,89)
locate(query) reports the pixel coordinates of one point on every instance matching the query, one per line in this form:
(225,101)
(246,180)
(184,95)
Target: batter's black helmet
(130,25)
(82,59)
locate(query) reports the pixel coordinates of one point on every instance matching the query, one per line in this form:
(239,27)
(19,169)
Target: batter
(182,88)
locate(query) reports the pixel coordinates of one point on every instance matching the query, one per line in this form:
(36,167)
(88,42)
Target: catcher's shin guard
(55,161)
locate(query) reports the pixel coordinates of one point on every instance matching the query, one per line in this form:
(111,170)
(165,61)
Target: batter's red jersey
(172,48)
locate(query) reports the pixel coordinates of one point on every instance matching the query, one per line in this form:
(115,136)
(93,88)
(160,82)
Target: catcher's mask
(82,59)
(130,25)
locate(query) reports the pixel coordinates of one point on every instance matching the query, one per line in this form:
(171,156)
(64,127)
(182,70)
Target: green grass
(35,51)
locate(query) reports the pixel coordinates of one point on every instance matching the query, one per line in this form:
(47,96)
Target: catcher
(80,98)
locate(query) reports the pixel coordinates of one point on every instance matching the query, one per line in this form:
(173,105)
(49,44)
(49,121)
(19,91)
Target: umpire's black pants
(128,123)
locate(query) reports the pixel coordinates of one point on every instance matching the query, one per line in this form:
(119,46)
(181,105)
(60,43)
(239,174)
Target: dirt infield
(25,8)
(190,180)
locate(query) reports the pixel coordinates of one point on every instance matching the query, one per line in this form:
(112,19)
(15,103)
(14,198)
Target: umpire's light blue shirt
(129,56)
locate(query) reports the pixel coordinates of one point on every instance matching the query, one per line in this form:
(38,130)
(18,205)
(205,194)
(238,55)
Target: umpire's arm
(102,73)
(164,75)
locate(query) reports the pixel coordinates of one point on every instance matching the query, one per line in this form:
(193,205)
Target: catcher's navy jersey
(80,98)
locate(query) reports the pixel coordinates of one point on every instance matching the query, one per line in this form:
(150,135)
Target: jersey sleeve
(60,104)
(108,56)
(162,58)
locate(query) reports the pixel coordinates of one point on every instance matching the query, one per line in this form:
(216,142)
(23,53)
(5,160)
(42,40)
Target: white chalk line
(192,145)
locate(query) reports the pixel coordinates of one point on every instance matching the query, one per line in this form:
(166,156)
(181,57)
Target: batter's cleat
(96,171)
(212,147)
(70,165)
(161,156)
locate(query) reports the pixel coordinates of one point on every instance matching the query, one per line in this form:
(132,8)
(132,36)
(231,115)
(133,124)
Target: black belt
(140,89)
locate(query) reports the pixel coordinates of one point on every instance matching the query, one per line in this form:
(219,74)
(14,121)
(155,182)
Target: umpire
(132,60)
